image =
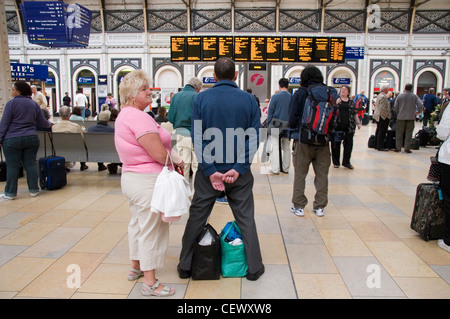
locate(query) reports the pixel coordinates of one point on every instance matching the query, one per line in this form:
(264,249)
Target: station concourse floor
(362,248)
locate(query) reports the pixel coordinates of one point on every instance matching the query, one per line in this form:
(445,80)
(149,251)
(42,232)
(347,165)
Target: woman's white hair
(131,83)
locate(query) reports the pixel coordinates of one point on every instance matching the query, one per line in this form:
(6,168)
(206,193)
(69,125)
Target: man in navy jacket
(225,133)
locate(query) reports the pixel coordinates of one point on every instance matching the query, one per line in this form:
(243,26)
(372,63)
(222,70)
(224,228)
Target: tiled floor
(362,248)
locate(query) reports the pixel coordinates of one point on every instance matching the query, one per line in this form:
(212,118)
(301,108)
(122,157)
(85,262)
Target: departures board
(274,49)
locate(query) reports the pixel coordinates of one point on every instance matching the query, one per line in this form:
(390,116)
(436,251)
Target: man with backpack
(312,145)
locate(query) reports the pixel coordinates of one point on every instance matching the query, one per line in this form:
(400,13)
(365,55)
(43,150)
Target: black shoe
(256,275)
(183,274)
(83,167)
(349,166)
(101,168)
(383,149)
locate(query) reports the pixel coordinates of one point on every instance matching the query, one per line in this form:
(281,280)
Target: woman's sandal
(137,273)
(149,291)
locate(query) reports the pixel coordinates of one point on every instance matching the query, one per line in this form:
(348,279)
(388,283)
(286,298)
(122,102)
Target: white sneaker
(3,196)
(443,245)
(319,212)
(297,211)
(34,194)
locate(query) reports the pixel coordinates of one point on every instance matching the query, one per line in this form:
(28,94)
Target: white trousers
(148,235)
(185,149)
(275,155)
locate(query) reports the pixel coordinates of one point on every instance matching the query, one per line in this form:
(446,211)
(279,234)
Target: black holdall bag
(206,261)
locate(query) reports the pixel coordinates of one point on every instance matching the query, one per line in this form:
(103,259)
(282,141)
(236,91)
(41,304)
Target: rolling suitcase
(52,172)
(428,215)
(366,119)
(415,143)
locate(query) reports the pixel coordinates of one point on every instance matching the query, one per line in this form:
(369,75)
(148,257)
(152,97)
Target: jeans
(83,111)
(19,151)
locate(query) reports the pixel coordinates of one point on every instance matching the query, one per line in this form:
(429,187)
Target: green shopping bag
(234,262)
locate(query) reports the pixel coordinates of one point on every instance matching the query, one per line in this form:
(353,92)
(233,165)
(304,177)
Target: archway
(168,78)
(116,79)
(293,74)
(85,78)
(342,76)
(52,92)
(426,80)
(205,74)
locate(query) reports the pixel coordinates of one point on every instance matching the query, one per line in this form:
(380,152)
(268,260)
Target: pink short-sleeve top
(130,125)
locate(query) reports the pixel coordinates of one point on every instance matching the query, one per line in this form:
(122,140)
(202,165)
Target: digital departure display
(337,50)
(194,48)
(321,46)
(273,49)
(289,49)
(178,48)
(257,49)
(241,49)
(306,49)
(210,48)
(226,47)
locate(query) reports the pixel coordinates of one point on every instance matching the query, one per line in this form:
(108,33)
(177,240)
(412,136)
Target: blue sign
(56,24)
(29,72)
(294,80)
(354,53)
(207,80)
(86,80)
(341,80)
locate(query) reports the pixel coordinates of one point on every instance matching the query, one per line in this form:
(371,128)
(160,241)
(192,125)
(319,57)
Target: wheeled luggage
(415,143)
(366,119)
(428,215)
(52,172)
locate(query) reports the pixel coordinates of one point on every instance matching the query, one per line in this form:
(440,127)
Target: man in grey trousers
(225,133)
(406,105)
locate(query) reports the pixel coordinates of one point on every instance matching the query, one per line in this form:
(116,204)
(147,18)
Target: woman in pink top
(142,146)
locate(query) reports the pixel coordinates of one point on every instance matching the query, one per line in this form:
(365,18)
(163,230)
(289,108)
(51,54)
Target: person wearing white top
(81,101)
(443,133)
(39,97)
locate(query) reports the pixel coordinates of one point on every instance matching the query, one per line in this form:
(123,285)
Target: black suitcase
(52,172)
(366,119)
(389,141)
(428,215)
(371,141)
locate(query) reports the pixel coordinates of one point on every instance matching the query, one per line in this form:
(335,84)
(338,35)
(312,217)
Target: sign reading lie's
(29,72)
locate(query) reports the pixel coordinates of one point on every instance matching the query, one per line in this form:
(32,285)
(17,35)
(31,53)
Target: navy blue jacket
(101,127)
(225,128)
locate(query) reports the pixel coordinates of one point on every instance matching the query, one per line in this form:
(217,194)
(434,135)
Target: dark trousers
(347,142)
(240,199)
(426,117)
(21,150)
(380,133)
(445,188)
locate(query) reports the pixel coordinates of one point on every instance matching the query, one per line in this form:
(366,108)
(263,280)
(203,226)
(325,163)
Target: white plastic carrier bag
(172,194)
